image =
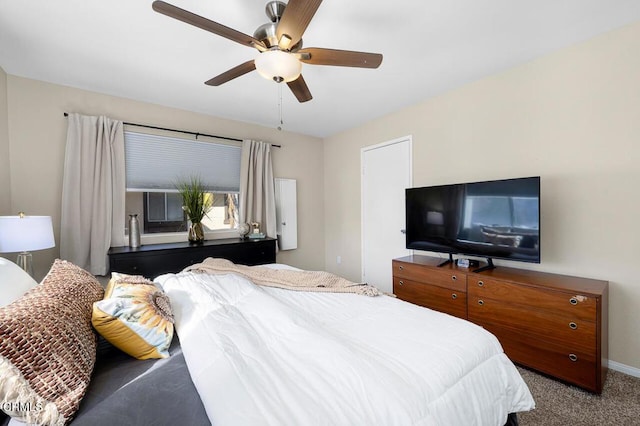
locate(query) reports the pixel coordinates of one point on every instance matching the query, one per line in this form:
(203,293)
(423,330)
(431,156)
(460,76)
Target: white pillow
(14,281)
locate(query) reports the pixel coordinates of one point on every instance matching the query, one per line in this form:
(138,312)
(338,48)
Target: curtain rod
(66,114)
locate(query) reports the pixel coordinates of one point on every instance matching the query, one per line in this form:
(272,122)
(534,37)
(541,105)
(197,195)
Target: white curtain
(93,191)
(257,187)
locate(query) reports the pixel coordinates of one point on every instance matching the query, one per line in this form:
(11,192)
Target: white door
(286,213)
(386,172)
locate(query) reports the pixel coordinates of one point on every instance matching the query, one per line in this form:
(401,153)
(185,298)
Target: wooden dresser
(152,260)
(555,324)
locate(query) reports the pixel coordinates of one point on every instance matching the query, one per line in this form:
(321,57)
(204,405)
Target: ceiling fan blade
(234,72)
(207,25)
(300,89)
(341,58)
(296,18)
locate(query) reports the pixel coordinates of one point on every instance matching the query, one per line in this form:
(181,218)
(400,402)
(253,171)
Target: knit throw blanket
(316,281)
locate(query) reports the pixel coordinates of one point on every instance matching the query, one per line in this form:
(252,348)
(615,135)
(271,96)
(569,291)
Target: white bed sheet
(267,356)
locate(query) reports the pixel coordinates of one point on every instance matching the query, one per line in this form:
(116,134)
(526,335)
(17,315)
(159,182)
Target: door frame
(363,150)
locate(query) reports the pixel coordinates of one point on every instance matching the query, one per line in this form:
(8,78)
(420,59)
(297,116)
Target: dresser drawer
(574,305)
(410,291)
(533,322)
(153,264)
(441,278)
(449,301)
(127,265)
(561,361)
(452,302)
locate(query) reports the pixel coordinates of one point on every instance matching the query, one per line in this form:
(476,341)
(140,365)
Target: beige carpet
(558,404)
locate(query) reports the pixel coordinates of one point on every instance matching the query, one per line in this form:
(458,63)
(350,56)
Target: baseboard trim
(626,369)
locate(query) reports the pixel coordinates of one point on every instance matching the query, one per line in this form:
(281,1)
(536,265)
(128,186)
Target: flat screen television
(498,219)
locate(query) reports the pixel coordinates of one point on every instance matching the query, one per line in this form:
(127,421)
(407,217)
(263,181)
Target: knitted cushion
(135,316)
(48,347)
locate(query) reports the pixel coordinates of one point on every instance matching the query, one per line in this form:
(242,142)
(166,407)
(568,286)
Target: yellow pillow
(135,316)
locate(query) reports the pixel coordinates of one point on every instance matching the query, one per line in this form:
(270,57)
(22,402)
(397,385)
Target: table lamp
(24,233)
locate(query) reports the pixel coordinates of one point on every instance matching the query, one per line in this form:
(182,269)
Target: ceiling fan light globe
(278,66)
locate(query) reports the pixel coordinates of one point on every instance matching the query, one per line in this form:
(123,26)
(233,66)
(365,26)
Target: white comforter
(266,356)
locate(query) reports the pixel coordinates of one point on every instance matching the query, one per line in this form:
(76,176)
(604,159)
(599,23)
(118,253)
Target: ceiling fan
(279,43)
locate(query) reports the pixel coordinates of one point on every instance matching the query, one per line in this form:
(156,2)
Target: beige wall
(5,182)
(571,117)
(37,135)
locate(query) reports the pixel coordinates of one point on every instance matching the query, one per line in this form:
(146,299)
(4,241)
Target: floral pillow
(135,316)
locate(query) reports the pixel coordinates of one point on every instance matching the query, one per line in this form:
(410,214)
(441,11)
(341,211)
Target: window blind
(155,163)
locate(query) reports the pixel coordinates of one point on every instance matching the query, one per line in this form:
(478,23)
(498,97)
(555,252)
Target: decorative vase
(134,231)
(196,233)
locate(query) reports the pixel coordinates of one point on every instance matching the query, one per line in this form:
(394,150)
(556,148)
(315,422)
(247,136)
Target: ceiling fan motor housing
(266,33)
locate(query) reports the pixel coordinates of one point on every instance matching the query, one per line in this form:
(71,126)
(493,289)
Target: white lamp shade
(278,65)
(25,233)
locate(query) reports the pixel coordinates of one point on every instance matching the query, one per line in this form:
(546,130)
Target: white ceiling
(124,48)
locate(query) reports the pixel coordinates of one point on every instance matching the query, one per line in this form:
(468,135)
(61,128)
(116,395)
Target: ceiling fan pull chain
(280,106)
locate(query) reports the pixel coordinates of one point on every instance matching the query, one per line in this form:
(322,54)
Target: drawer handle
(573,357)
(480,283)
(480,302)
(573,325)
(453,277)
(400,267)
(401,282)
(454,296)
(573,301)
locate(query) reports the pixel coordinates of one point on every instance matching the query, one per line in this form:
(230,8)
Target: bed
(254,354)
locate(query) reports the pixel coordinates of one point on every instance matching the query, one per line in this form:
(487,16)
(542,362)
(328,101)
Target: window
(163,212)
(155,163)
